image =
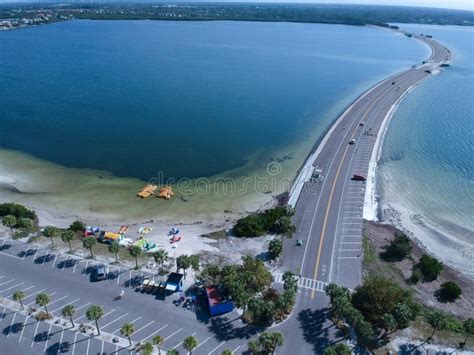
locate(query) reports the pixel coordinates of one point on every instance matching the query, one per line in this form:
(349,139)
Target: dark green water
(189,99)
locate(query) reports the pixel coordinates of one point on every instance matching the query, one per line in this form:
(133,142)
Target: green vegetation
(266,343)
(416,276)
(449,292)
(468,328)
(9,221)
(275,248)
(17,211)
(147,348)
(114,248)
(190,343)
(135,251)
(127,330)
(51,233)
(226,352)
(94,313)
(429,267)
(42,300)
(160,257)
(186,261)
(89,243)
(18,297)
(398,249)
(69,311)
(158,341)
(77,226)
(67,236)
(374,311)
(369,250)
(338,349)
(276,220)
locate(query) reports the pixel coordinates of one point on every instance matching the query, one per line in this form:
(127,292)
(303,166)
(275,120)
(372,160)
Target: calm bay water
(189,99)
(428,155)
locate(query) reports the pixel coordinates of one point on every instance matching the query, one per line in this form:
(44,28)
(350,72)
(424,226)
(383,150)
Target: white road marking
(75,265)
(59,299)
(237,348)
(11,256)
(88,344)
(133,321)
(181,342)
(102,348)
(24,290)
(11,325)
(34,335)
(74,344)
(67,304)
(176,332)
(116,319)
(118,277)
(47,337)
(23,328)
(217,347)
(26,252)
(201,343)
(65,262)
(136,331)
(60,341)
(7,289)
(7,282)
(34,257)
(156,332)
(51,294)
(34,293)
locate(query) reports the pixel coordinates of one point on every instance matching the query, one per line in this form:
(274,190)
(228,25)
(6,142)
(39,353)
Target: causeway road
(329,211)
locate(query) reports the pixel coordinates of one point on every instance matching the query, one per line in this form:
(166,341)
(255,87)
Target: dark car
(99,273)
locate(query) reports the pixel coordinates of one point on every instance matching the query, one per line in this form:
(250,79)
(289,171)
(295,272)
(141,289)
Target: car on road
(357,177)
(352,141)
(99,273)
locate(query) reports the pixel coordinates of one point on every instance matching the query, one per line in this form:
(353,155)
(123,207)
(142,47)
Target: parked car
(99,273)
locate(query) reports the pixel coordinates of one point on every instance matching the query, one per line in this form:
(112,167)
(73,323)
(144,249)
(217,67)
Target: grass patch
(370,255)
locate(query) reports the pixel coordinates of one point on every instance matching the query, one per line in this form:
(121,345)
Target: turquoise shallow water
(189,99)
(428,154)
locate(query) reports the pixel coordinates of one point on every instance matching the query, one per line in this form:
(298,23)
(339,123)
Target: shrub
(416,276)
(277,220)
(77,226)
(14,209)
(398,249)
(449,291)
(429,267)
(275,248)
(41,316)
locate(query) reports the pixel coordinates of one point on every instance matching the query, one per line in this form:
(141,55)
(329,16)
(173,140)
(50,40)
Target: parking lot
(68,281)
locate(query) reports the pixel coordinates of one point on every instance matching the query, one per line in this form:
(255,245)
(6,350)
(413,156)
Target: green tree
(69,311)
(267,343)
(338,349)
(94,313)
(430,267)
(42,300)
(226,352)
(89,243)
(190,343)
(135,251)
(211,274)
(340,300)
(398,249)
(283,225)
(449,291)
(468,327)
(160,257)
(25,223)
(438,321)
(18,297)
(9,221)
(194,262)
(16,210)
(290,282)
(51,233)
(183,262)
(158,341)
(114,248)
(172,352)
(275,248)
(127,330)
(67,236)
(77,226)
(147,348)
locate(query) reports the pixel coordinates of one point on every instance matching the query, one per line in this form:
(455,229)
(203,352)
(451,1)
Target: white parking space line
(116,319)
(23,328)
(201,343)
(65,262)
(136,331)
(74,344)
(11,325)
(34,335)
(47,338)
(155,332)
(217,347)
(181,342)
(59,299)
(34,293)
(1,277)
(34,257)
(7,289)
(133,321)
(60,341)
(7,282)
(11,256)
(26,252)
(54,261)
(88,345)
(237,348)
(176,332)
(105,315)
(51,294)
(102,348)
(81,307)
(24,290)
(67,303)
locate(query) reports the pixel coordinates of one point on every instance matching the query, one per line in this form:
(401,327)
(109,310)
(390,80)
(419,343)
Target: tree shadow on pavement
(14,328)
(225,328)
(58,348)
(315,330)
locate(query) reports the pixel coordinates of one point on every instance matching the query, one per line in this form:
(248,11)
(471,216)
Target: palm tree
(158,341)
(135,251)
(161,256)
(114,248)
(69,311)
(270,341)
(9,221)
(18,297)
(172,352)
(147,348)
(42,300)
(67,236)
(51,232)
(190,343)
(89,243)
(438,321)
(127,330)
(95,313)
(226,352)
(183,262)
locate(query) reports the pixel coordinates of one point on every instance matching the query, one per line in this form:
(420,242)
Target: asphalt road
(329,211)
(68,281)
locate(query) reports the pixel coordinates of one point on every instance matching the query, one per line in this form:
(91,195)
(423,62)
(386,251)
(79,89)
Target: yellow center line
(323,232)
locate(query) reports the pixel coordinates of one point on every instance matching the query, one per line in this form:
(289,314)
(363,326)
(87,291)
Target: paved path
(329,212)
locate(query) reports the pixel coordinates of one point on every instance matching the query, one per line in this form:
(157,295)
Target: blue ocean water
(428,154)
(189,99)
